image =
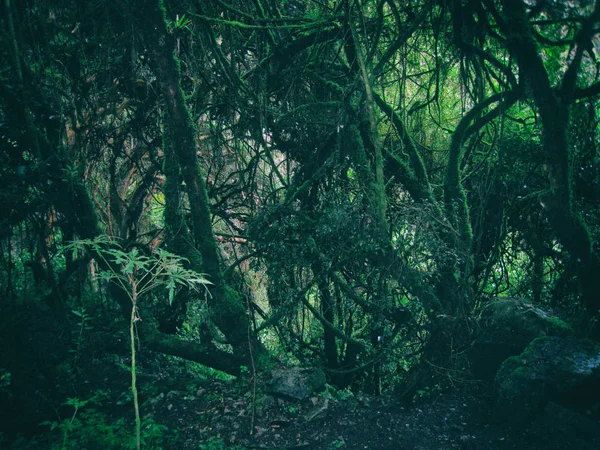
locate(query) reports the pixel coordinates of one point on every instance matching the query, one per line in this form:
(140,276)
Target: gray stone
(505,327)
(561,370)
(296,383)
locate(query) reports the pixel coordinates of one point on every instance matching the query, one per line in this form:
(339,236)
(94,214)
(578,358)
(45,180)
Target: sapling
(137,274)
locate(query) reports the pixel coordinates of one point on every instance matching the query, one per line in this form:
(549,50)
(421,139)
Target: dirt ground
(221,415)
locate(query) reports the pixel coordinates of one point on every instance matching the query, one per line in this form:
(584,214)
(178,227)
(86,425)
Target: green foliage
(201,371)
(328,205)
(338,443)
(428,391)
(90,427)
(162,269)
(332,393)
(560,324)
(182,22)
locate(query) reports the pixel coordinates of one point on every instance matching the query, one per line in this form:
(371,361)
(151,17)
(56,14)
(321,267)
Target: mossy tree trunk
(553,108)
(178,238)
(228,310)
(328,311)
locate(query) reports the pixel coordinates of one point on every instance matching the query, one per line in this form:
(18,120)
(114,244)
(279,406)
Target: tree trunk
(553,106)
(228,310)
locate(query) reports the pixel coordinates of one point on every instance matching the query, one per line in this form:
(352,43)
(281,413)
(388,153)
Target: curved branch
(403,36)
(414,178)
(455,198)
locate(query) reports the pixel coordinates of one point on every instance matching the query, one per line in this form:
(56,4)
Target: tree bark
(553,107)
(228,311)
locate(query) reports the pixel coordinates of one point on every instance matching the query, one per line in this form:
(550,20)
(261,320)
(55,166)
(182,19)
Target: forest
(285,224)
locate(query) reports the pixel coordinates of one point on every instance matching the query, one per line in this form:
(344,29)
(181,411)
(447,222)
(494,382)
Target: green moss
(511,363)
(523,371)
(536,341)
(560,324)
(233,303)
(370,178)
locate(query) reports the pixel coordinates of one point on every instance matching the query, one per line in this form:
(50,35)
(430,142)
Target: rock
(506,327)
(562,370)
(296,383)
(318,412)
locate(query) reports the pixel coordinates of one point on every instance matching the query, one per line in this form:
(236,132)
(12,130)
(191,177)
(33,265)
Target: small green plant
(338,443)
(331,393)
(88,427)
(68,425)
(428,392)
(181,22)
(137,274)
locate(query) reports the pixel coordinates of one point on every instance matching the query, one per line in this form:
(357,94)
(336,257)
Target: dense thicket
(354,177)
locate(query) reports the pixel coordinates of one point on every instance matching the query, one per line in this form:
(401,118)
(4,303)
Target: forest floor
(220,415)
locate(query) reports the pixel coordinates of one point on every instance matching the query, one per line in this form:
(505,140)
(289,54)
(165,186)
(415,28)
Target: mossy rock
(506,327)
(551,369)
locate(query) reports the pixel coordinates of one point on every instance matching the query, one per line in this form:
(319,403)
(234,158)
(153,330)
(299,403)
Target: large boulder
(505,327)
(297,383)
(551,369)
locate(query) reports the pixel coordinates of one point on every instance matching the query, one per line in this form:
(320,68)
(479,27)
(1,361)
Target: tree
(355,178)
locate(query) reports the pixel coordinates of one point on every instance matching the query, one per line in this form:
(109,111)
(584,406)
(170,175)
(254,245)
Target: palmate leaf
(107,276)
(161,269)
(129,267)
(199,280)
